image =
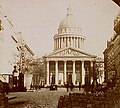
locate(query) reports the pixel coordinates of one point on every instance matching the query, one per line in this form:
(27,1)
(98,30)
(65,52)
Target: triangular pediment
(69,52)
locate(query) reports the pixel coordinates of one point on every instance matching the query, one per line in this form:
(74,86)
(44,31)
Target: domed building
(68,62)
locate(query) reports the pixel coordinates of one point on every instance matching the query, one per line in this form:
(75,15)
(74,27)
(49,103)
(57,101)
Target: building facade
(23,62)
(112,52)
(68,62)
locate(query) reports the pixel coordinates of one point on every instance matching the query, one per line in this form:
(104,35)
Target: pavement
(43,98)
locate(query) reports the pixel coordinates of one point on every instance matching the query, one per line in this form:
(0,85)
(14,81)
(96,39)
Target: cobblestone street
(43,98)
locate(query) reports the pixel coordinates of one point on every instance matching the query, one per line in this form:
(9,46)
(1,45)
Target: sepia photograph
(59,53)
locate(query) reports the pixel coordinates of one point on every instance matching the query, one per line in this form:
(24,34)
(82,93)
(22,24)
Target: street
(43,98)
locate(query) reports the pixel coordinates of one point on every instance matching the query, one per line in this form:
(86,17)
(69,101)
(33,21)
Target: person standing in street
(67,86)
(79,86)
(71,86)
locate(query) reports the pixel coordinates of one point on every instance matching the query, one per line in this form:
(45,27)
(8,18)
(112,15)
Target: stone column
(91,65)
(74,74)
(83,73)
(76,42)
(57,43)
(70,41)
(67,41)
(81,42)
(54,44)
(73,42)
(56,72)
(60,43)
(65,71)
(64,42)
(48,74)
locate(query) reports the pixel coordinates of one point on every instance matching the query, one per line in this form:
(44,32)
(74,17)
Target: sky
(38,20)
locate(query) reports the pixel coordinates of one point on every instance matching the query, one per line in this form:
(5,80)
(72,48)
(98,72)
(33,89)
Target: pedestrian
(67,86)
(6,88)
(71,86)
(79,86)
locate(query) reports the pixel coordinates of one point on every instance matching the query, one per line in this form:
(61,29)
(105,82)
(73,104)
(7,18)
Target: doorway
(69,77)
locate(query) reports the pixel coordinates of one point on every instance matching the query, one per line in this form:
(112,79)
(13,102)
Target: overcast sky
(38,20)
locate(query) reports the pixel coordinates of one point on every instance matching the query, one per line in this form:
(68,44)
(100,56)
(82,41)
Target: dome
(69,20)
(69,33)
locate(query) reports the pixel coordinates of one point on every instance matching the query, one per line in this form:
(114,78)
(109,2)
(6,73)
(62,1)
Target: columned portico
(65,73)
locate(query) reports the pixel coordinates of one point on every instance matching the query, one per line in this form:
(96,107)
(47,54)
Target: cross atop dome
(69,10)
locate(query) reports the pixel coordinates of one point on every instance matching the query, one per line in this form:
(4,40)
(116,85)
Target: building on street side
(112,52)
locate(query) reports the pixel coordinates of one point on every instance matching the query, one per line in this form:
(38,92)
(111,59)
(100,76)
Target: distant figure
(67,86)
(99,88)
(71,86)
(104,87)
(110,84)
(6,88)
(79,86)
(94,86)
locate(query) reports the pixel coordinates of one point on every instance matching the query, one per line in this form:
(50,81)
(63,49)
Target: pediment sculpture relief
(69,52)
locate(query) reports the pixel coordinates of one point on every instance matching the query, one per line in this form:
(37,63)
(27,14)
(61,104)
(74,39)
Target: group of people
(71,86)
(103,87)
(95,87)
